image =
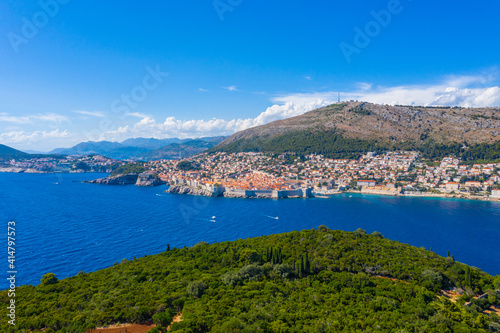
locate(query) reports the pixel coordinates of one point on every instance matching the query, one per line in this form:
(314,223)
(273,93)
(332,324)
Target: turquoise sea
(64,226)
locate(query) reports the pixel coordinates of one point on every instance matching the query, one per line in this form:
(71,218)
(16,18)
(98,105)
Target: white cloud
(33,137)
(48,117)
(466,91)
(173,127)
(202,90)
(91,113)
(364,85)
(289,109)
(307,77)
(13,119)
(136,114)
(305,98)
(231,88)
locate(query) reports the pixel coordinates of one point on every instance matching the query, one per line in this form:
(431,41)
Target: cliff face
(181,189)
(143,179)
(128,179)
(146,179)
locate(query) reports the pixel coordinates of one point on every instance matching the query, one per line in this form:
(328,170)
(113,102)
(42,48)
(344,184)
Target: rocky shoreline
(180,189)
(184,189)
(143,179)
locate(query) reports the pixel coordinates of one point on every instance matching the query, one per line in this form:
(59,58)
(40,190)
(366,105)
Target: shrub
(163,319)
(48,279)
(323,228)
(196,289)
(284,271)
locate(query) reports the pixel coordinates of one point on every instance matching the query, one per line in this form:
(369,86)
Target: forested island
(309,281)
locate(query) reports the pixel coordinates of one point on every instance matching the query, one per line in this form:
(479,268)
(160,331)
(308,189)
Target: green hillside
(179,150)
(332,144)
(309,281)
(7,152)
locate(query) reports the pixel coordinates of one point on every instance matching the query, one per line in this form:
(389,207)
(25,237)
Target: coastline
(188,190)
(237,193)
(429,195)
(193,191)
(34,171)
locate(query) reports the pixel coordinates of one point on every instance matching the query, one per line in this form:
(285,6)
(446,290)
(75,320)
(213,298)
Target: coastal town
(61,163)
(261,175)
(290,175)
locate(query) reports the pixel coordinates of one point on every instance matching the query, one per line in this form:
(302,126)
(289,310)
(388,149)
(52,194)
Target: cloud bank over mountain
(465,91)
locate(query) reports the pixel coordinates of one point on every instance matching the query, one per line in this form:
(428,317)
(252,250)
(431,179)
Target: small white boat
(213,217)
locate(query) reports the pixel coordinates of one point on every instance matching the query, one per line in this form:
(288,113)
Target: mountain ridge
(371,126)
(7,152)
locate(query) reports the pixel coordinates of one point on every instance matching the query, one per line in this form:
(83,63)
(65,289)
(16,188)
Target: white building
(495,193)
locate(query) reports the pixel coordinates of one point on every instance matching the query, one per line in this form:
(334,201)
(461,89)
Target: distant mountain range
(345,130)
(143,148)
(139,149)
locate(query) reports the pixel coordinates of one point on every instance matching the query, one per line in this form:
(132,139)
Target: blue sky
(89,70)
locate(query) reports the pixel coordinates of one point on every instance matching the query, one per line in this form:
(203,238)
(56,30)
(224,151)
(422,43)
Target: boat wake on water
(273,217)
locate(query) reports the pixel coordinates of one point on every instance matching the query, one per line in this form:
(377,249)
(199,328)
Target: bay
(64,226)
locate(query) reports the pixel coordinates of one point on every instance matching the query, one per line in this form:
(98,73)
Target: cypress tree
(301,266)
(467,278)
(469,281)
(168,247)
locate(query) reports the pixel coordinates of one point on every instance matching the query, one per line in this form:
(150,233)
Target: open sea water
(64,226)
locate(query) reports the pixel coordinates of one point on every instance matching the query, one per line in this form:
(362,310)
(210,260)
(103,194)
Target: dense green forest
(128,168)
(333,145)
(483,152)
(309,281)
(329,143)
